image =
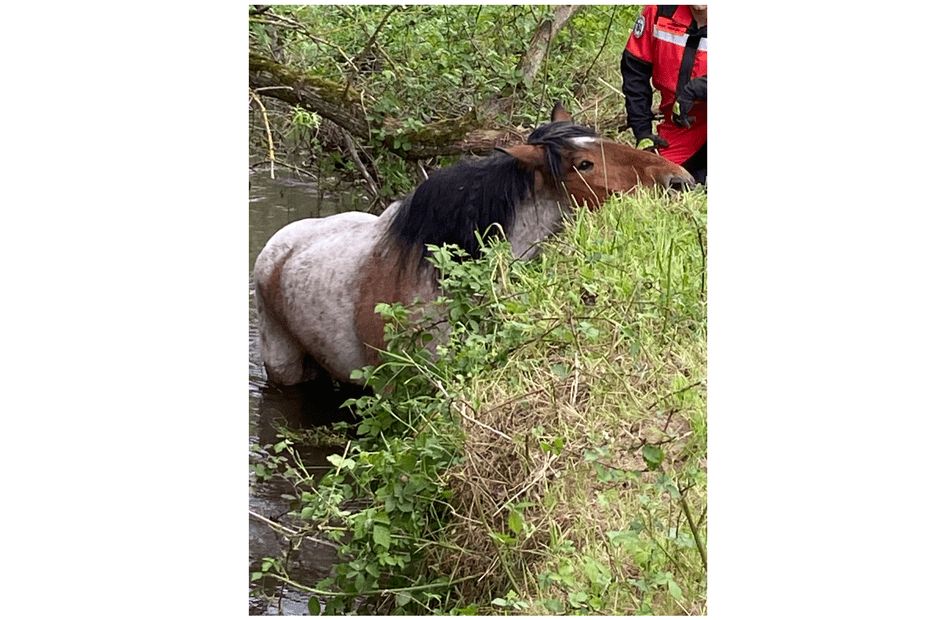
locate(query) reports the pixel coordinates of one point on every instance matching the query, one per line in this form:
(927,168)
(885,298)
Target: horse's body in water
(318,280)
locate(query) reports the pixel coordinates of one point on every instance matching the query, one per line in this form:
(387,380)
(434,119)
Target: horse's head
(573,159)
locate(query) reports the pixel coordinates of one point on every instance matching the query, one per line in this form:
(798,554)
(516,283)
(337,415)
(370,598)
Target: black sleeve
(697,88)
(637,91)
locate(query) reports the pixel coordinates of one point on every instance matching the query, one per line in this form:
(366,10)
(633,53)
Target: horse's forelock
(559,134)
(558,137)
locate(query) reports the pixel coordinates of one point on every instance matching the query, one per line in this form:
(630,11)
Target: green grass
(550,456)
(604,409)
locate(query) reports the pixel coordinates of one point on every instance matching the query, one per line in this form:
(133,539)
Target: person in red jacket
(669,46)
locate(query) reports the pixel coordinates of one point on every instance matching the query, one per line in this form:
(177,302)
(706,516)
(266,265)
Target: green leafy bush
(547,453)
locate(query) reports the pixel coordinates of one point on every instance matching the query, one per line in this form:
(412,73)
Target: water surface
(272,205)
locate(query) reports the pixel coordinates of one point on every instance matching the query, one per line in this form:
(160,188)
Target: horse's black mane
(474,195)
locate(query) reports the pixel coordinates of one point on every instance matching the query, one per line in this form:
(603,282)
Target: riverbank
(552,457)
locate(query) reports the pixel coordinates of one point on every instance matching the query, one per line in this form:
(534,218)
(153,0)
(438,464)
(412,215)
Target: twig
(684,389)
(584,78)
(261,105)
(285,21)
(365,50)
(286,165)
(536,478)
(372,185)
(697,228)
(387,57)
(274,525)
(609,85)
(668,420)
(694,532)
(668,287)
(480,423)
(262,89)
(424,586)
(286,530)
(371,40)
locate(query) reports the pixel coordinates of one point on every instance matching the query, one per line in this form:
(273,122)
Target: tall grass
(549,455)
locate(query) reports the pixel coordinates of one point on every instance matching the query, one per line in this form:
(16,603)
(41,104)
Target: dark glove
(695,90)
(650,142)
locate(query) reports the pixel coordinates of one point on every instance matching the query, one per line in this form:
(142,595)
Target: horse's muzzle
(678,183)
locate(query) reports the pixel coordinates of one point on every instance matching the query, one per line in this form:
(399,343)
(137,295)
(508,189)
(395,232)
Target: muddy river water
(272,205)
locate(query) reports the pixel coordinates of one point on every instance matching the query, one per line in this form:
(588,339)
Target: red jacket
(663,38)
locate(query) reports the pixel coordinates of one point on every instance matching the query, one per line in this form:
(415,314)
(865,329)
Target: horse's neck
(416,279)
(535,220)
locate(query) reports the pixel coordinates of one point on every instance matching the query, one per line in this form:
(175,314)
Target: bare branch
(261,105)
(538,47)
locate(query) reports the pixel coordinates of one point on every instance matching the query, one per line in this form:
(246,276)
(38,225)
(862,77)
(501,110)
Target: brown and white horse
(317,280)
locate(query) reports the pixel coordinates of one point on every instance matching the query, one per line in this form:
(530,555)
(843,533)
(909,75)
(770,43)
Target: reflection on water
(272,205)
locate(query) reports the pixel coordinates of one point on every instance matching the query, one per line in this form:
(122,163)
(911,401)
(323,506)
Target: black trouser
(697,165)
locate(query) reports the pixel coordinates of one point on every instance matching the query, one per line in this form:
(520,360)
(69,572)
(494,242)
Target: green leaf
(502,538)
(313,606)
(338,461)
(401,598)
(469,610)
(674,589)
(653,456)
(515,521)
(597,573)
(577,599)
(382,536)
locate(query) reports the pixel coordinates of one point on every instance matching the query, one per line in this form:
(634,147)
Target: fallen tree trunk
(337,102)
(344,106)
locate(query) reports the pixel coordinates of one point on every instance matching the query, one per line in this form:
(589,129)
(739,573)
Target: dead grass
(558,435)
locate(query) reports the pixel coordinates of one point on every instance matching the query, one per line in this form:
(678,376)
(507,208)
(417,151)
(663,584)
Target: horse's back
(304,233)
(306,293)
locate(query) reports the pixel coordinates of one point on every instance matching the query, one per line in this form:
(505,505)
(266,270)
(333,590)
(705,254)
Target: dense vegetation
(551,457)
(385,91)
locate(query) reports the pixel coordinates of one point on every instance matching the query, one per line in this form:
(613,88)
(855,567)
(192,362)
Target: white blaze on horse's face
(584,142)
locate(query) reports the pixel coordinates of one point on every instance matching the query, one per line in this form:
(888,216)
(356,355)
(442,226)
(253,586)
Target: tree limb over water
(343,106)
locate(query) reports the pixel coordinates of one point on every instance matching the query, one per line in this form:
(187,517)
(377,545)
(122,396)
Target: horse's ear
(530,155)
(559,113)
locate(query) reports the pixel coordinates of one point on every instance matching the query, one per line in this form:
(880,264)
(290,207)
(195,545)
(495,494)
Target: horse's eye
(585,165)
